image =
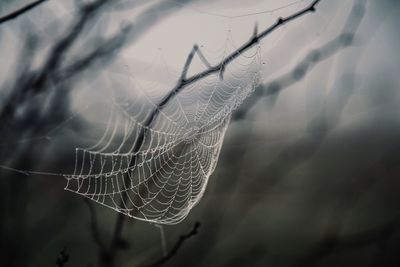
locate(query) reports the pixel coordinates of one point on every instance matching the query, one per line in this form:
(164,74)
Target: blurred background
(308,174)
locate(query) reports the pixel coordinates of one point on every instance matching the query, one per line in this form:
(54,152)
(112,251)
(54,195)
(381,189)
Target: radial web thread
(167,176)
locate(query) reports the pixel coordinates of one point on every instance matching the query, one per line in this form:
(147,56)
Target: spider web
(164,179)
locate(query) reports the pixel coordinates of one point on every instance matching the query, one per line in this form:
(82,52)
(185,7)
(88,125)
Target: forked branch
(189,60)
(183,82)
(182,239)
(249,44)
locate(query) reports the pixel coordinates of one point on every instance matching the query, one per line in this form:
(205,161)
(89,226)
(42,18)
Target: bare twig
(273,88)
(36,115)
(176,247)
(308,145)
(296,153)
(184,81)
(19,12)
(52,72)
(189,60)
(94,224)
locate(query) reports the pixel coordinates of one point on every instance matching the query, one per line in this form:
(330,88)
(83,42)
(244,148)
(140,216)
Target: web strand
(167,176)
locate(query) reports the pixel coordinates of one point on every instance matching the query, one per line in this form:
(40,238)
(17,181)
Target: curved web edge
(168,176)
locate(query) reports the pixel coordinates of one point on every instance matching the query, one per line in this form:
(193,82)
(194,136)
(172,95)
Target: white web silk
(162,181)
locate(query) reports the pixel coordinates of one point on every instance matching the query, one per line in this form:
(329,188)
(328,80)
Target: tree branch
(189,60)
(62,258)
(19,12)
(343,40)
(37,80)
(250,43)
(299,71)
(182,83)
(182,239)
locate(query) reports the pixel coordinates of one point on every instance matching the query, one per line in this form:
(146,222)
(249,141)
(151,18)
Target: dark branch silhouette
(15,14)
(31,87)
(182,239)
(32,83)
(53,70)
(273,88)
(184,81)
(195,50)
(292,156)
(308,145)
(35,82)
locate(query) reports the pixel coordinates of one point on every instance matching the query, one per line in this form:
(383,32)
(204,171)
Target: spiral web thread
(162,181)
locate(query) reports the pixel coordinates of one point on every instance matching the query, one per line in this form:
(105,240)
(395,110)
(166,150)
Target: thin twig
(189,60)
(19,12)
(176,247)
(249,44)
(39,79)
(274,87)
